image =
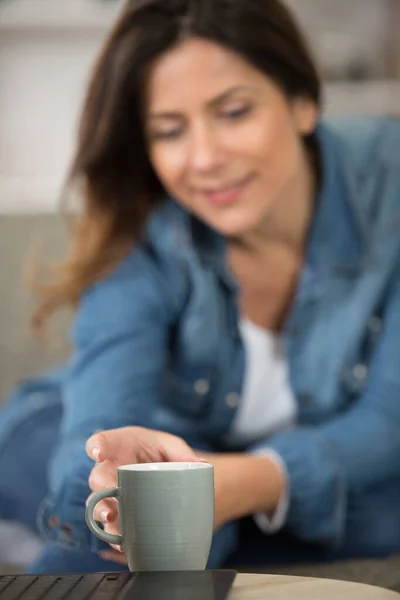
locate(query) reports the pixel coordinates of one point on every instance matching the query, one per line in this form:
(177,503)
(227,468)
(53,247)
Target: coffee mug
(166,515)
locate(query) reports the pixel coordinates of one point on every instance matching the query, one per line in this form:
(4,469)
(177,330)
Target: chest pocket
(197,345)
(188,391)
(187,382)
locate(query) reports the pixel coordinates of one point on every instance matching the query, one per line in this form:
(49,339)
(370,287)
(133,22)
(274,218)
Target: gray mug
(166,515)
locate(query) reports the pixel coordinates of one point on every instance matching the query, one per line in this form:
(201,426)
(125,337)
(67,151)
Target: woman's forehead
(197,70)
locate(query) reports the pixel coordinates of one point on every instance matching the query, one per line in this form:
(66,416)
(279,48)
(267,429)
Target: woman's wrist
(245,484)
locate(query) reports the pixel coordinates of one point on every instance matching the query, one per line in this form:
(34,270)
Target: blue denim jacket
(167,317)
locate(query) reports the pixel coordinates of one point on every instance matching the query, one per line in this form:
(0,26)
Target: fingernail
(104,516)
(95,453)
(120,549)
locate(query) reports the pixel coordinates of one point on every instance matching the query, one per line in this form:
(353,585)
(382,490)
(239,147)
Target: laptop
(168,585)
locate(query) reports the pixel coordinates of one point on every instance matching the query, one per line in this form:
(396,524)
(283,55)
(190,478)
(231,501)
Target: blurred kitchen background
(47,47)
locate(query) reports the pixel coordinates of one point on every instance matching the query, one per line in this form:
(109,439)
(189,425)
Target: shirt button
(232,400)
(375,324)
(360,372)
(201,387)
(305,399)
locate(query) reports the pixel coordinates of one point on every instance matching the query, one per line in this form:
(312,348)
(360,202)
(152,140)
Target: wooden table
(281,587)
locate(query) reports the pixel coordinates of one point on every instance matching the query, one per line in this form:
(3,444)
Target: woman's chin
(235,226)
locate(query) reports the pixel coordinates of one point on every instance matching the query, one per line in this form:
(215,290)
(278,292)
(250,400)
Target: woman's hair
(111,171)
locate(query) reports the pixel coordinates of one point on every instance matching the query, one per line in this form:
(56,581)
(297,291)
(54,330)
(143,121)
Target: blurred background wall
(47,47)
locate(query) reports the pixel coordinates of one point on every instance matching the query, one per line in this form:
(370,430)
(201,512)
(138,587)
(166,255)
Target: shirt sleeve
(120,340)
(270,524)
(354,450)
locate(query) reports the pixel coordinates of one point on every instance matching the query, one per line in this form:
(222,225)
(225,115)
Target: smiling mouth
(225,188)
(227,194)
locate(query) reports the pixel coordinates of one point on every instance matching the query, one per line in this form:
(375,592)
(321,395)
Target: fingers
(115,445)
(117,557)
(136,444)
(114,529)
(103,476)
(96,446)
(105,511)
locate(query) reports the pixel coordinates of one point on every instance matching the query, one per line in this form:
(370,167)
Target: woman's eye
(237,113)
(165,135)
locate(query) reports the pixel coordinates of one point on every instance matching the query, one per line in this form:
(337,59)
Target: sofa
(21,355)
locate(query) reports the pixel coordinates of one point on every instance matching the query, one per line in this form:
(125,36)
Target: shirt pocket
(188,391)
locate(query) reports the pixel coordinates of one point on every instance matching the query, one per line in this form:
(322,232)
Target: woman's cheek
(168,163)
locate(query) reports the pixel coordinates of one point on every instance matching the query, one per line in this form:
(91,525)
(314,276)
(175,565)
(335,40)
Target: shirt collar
(339,237)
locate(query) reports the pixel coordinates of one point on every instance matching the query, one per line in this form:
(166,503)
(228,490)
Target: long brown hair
(111,171)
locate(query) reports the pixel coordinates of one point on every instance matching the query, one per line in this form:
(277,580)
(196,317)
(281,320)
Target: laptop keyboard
(60,587)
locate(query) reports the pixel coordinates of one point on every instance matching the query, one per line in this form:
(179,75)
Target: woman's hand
(244,484)
(128,445)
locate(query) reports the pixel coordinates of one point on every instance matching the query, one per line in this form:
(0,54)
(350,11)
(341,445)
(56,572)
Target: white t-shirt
(267,404)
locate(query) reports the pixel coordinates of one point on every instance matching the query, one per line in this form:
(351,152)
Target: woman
(236,270)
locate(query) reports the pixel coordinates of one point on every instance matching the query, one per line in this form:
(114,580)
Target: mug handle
(109,538)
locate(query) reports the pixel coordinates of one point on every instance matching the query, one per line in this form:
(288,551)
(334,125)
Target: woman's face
(223,138)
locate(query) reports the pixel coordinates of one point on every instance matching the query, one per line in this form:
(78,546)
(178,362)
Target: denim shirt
(157,344)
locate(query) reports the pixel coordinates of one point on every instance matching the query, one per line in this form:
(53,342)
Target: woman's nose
(205,151)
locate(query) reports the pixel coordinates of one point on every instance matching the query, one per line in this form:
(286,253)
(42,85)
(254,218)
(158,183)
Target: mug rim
(165,467)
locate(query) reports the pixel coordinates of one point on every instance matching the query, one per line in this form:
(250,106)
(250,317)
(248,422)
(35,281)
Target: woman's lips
(227,195)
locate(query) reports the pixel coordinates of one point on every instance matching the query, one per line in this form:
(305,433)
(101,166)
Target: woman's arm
(353,451)
(245,484)
(120,340)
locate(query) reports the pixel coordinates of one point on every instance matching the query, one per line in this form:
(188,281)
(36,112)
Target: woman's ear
(305,115)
